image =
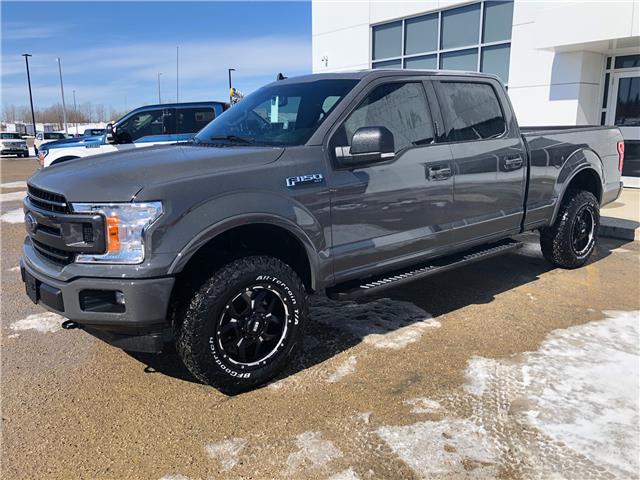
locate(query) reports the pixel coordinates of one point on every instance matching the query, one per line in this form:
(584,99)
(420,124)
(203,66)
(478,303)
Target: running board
(373,285)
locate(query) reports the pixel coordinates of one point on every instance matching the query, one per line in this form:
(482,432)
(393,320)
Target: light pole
(75,111)
(159,97)
(33,116)
(64,107)
(177,77)
(230,96)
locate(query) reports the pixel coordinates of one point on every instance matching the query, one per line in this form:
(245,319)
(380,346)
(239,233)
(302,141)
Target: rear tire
(571,240)
(244,324)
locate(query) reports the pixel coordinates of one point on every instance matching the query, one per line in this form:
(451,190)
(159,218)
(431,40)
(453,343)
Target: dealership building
(564,63)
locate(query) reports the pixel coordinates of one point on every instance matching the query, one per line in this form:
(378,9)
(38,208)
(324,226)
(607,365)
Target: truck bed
(556,153)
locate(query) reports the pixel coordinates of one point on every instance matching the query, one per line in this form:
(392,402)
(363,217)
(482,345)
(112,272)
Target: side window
(471,110)
(192,120)
(400,107)
(142,124)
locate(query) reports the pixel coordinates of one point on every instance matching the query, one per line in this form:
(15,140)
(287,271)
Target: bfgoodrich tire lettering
(244,324)
(571,240)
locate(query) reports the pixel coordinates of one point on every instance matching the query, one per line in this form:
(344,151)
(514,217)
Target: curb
(619,228)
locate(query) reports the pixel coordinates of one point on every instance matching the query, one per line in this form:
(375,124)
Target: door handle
(513,163)
(438,172)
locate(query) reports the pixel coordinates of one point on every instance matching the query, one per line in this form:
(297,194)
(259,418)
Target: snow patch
(40,322)
(344,369)
(449,448)
(226,452)
(584,390)
(348,474)
(13,335)
(13,216)
(314,453)
(423,405)
(175,477)
(19,184)
(14,269)
(12,196)
(382,323)
(477,374)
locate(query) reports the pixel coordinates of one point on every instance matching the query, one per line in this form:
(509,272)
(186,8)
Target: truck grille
(53,254)
(52,202)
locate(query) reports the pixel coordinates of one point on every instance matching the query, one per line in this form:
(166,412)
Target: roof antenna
(280,76)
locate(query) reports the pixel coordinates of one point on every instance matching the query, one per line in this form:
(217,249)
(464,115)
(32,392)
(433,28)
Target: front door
(624,112)
(393,212)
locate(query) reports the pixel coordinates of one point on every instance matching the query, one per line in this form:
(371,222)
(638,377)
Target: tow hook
(70,325)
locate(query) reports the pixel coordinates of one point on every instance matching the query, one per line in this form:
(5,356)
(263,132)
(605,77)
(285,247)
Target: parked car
(45,137)
(143,127)
(13,144)
(340,184)
(93,132)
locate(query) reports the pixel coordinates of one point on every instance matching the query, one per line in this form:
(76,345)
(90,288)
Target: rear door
(489,158)
(390,212)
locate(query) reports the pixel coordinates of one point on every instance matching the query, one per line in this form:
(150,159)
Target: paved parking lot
(503,369)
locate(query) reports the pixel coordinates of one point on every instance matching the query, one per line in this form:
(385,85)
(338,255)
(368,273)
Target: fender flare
(213,231)
(589,161)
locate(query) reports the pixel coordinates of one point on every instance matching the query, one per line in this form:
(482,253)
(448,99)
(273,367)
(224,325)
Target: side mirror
(368,145)
(110,134)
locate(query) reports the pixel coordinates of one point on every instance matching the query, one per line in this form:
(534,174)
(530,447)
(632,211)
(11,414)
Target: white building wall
(558,52)
(558,49)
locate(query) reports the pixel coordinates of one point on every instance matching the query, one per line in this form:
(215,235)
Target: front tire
(244,324)
(571,240)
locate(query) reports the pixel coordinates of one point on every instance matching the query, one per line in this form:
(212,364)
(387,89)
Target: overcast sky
(111,52)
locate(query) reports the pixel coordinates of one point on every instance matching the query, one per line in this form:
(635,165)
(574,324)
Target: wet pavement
(503,369)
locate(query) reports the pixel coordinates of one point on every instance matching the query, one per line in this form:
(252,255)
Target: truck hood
(72,142)
(119,176)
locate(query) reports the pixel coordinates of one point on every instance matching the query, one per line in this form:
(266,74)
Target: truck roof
(181,104)
(380,73)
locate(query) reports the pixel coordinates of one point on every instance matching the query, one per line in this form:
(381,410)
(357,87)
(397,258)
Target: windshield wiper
(233,139)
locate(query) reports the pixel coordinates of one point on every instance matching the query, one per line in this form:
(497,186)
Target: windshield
(279,115)
(9,136)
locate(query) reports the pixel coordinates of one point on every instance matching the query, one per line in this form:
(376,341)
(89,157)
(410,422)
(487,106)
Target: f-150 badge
(304,179)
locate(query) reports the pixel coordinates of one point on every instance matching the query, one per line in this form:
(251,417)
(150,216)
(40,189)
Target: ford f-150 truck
(143,127)
(339,184)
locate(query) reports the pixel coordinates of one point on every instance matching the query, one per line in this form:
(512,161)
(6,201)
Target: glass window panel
(627,61)
(472,111)
(460,26)
(498,19)
(460,60)
(605,95)
(421,34)
(400,107)
(428,62)
(603,116)
(387,40)
(496,60)
(388,64)
(628,102)
(608,63)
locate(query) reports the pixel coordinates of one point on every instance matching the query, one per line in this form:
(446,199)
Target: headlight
(125,226)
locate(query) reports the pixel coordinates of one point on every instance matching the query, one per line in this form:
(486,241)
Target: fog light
(120,298)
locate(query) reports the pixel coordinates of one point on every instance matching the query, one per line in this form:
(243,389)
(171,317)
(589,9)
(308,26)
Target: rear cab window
(193,119)
(471,111)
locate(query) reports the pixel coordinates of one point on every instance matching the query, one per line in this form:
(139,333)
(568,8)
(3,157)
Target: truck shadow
(334,326)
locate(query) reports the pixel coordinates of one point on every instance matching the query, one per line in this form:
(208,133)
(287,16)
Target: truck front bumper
(128,313)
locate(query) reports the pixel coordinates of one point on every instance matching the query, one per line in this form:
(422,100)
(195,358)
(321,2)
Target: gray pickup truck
(338,184)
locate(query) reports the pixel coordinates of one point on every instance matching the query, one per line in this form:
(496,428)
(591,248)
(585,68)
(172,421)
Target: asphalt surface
(503,369)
